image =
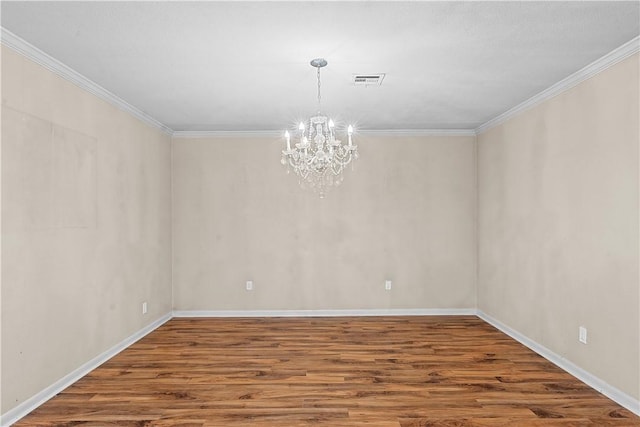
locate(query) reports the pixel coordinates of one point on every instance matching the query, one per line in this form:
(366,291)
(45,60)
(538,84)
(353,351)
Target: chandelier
(318,158)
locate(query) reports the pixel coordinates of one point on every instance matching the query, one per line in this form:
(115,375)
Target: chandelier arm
(344,159)
(348,158)
(337,171)
(292,163)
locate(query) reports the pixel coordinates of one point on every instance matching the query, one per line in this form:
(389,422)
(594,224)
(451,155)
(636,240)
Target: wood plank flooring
(347,372)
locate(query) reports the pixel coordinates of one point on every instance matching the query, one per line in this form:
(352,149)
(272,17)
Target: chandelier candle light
(318,159)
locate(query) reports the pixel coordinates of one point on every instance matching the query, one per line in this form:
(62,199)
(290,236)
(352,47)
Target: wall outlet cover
(582,334)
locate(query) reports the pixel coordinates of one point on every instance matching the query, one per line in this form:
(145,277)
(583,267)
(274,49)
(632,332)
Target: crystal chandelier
(318,158)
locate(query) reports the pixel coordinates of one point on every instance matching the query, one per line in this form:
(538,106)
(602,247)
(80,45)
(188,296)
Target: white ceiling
(244,66)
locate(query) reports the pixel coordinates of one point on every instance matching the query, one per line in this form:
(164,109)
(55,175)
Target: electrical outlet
(249,285)
(387,285)
(582,334)
(144,308)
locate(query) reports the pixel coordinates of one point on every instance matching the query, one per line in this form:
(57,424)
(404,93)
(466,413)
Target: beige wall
(558,224)
(85,227)
(86,218)
(407,213)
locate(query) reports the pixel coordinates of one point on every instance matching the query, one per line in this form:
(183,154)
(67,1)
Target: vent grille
(368,79)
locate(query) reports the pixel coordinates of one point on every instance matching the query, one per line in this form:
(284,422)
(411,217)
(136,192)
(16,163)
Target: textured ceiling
(244,66)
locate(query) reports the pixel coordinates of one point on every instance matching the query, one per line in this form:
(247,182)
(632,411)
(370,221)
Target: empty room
(336,213)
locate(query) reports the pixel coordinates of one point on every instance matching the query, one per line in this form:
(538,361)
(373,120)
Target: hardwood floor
(351,372)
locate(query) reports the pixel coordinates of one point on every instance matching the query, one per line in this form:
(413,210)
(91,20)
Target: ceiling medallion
(318,158)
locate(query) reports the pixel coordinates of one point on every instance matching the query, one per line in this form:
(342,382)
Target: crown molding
(279,134)
(227,134)
(418,132)
(39,57)
(626,50)
(36,55)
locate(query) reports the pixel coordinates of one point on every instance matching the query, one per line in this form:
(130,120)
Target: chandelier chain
(319,109)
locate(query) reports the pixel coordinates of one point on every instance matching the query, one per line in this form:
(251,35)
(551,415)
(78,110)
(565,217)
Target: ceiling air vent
(368,79)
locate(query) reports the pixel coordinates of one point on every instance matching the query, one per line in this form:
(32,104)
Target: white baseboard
(328,313)
(592,381)
(601,386)
(33,402)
